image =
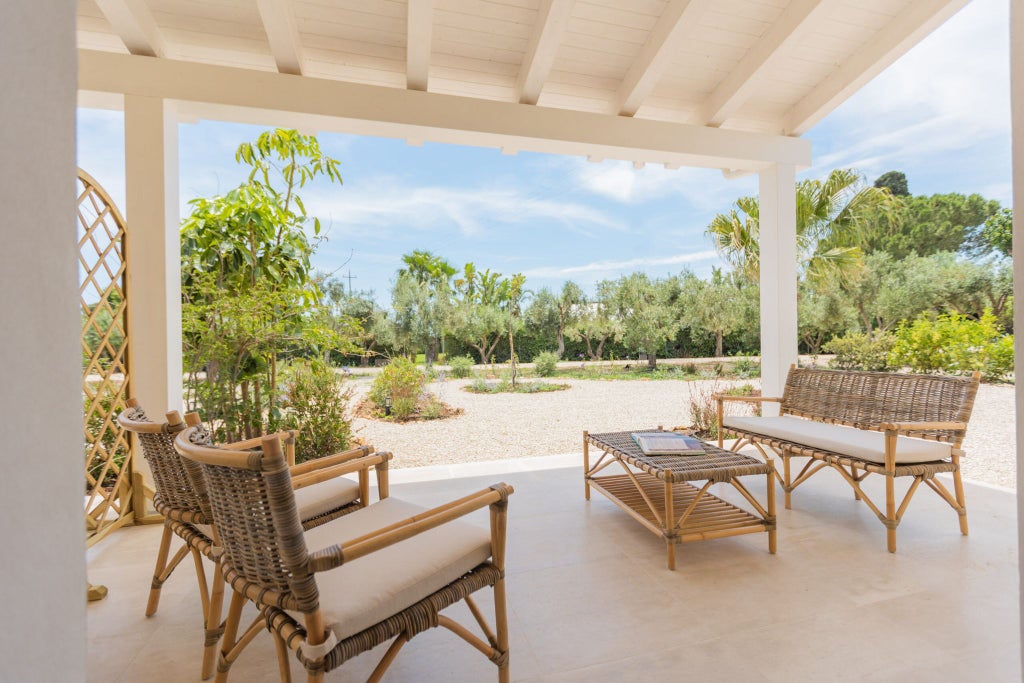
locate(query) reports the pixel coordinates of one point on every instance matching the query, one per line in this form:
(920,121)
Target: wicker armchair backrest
(867,399)
(253,505)
(175,495)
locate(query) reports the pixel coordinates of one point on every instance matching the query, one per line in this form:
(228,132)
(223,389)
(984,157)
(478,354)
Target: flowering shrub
(955,344)
(861,351)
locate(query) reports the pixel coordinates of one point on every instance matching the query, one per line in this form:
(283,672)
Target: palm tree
(830,222)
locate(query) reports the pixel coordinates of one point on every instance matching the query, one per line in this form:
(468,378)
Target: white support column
(1017,121)
(777,199)
(42,528)
(154,287)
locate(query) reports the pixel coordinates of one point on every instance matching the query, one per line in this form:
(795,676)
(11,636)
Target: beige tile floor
(591,599)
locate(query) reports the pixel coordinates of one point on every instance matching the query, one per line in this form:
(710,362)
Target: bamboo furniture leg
(161,563)
(670,522)
(586,466)
(772,531)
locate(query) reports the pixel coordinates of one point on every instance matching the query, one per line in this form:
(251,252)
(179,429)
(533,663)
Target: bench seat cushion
(326,496)
(368,590)
(857,443)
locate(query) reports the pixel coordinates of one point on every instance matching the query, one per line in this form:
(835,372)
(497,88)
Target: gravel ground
(497,426)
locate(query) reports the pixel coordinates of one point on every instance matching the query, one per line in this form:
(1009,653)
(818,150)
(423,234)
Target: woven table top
(714,464)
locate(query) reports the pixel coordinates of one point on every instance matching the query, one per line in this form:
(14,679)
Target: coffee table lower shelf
(712,517)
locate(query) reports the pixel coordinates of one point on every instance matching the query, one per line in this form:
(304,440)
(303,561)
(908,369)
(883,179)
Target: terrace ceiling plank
(279,23)
(135,25)
(905,30)
(676,22)
(737,87)
(552,21)
(261,97)
(419,42)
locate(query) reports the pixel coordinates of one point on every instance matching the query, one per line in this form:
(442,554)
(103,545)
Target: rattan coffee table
(655,490)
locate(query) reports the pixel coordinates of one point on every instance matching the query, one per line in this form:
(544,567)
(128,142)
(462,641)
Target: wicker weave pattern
(867,399)
(715,464)
(245,525)
(175,497)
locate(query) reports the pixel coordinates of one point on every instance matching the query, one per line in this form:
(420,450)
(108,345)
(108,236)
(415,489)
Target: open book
(667,443)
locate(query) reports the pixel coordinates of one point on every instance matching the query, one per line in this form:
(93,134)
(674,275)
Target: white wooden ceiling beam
(904,31)
(419,40)
(263,97)
(134,24)
(678,18)
(735,89)
(282,31)
(552,22)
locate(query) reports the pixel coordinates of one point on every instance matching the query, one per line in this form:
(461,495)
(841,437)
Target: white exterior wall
(42,530)
(1017,118)
(777,205)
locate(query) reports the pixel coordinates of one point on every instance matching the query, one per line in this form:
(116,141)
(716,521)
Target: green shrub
(954,344)
(546,364)
(745,368)
(433,407)
(402,382)
(315,402)
(462,367)
(861,351)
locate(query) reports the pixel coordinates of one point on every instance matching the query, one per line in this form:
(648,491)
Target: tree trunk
(430,353)
(718,344)
(652,360)
(561,343)
(246,422)
(600,349)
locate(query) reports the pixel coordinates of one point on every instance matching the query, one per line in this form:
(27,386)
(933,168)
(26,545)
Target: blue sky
(941,114)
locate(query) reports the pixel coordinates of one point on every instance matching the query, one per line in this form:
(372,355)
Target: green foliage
(247,292)
(462,366)
(926,225)
(954,344)
(402,382)
(316,402)
(997,233)
(824,310)
(597,323)
(895,182)
(744,368)
(831,217)
(647,312)
(718,304)
(505,386)
(546,364)
(861,351)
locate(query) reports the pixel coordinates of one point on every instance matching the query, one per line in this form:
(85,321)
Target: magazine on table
(667,443)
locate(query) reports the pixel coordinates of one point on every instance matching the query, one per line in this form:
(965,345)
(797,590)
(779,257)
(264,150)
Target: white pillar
(1017,121)
(154,252)
(42,525)
(777,218)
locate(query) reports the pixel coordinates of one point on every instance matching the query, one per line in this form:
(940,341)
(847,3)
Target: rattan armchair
(324,496)
(383,573)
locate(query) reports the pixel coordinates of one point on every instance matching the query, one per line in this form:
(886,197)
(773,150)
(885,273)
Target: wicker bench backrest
(867,399)
(253,505)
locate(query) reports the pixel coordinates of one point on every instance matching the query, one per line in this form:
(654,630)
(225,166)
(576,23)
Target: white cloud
(703,189)
(948,94)
(386,204)
(616,267)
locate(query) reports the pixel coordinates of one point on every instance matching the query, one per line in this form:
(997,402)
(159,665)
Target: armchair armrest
(336,555)
(746,399)
(330,460)
(257,442)
(317,475)
(923,426)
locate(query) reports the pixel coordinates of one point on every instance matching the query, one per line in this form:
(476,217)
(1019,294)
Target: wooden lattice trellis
(106,361)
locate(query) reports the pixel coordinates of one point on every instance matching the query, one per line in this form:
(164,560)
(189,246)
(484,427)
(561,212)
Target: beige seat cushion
(368,590)
(857,443)
(327,496)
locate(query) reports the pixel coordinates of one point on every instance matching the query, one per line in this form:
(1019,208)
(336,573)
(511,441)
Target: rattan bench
(861,423)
